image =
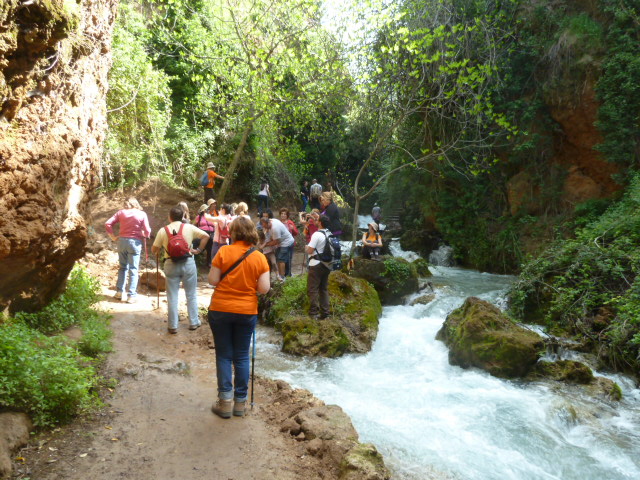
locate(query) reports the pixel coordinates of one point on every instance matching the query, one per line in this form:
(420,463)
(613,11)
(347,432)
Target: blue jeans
(129,256)
(263,204)
(305,202)
(287,268)
(186,272)
(232,338)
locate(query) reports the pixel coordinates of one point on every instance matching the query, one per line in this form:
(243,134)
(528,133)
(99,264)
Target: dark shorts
(282,254)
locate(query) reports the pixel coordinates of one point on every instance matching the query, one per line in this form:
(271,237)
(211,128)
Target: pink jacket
(133,223)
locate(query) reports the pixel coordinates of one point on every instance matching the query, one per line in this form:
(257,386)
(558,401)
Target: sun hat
(374,225)
(210,201)
(202,208)
(211,165)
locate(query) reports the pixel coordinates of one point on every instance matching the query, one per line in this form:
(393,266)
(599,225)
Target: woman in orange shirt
(371,242)
(233,313)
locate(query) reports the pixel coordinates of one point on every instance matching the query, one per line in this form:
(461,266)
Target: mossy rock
(351,328)
(480,335)
(422,268)
(563,370)
(363,462)
(577,373)
(392,277)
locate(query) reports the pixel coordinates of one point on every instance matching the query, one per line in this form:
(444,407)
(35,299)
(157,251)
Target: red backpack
(177,247)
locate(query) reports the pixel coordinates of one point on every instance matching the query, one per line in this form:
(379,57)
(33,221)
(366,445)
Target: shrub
(589,284)
(69,308)
(42,376)
(51,377)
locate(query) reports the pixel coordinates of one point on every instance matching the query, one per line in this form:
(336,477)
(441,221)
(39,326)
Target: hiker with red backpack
(174,242)
(222,221)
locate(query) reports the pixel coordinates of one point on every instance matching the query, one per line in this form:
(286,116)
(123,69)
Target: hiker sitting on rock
(371,243)
(238,272)
(134,229)
(174,243)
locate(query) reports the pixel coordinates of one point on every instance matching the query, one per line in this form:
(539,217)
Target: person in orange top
(371,242)
(233,313)
(208,189)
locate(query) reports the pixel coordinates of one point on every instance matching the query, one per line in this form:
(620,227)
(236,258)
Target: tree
(252,61)
(425,78)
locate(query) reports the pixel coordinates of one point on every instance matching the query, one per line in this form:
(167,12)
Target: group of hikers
(241,256)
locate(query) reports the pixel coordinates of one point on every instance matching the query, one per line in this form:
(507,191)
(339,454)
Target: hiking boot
(223,408)
(133,299)
(239,408)
(172,330)
(195,327)
(118,295)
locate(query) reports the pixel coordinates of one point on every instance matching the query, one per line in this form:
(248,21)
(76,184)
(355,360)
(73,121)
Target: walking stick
(146,263)
(157,280)
(253,365)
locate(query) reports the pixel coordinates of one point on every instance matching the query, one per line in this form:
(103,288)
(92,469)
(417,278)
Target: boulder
(154,281)
(363,462)
(424,299)
(351,328)
(422,242)
(422,268)
(563,370)
(577,373)
(392,277)
(480,335)
(54,61)
(14,433)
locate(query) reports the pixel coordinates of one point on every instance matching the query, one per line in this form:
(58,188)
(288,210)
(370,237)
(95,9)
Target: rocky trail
(157,422)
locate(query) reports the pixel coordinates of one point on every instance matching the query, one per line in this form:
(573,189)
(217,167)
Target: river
(432,420)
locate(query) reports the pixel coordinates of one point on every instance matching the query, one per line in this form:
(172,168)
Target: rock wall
(54,59)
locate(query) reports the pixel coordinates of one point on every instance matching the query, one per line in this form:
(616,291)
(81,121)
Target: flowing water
(433,420)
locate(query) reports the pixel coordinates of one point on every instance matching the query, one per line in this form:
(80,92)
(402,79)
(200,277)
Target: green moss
(422,267)
(351,327)
(616,392)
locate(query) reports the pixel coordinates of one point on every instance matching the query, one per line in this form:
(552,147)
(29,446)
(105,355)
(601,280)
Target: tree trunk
(354,227)
(228,176)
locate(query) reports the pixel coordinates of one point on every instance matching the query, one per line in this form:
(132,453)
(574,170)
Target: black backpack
(331,253)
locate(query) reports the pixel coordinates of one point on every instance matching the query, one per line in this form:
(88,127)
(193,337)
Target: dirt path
(158,423)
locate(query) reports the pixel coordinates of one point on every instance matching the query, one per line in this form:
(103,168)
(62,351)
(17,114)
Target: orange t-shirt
(236,293)
(212,178)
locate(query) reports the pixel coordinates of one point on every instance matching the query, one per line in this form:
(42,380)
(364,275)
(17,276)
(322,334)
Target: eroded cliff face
(54,59)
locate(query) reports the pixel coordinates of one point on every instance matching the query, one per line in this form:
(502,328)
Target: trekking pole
(146,264)
(158,279)
(253,365)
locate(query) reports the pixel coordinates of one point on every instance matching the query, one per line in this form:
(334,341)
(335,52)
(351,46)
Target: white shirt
(264,191)
(279,231)
(317,241)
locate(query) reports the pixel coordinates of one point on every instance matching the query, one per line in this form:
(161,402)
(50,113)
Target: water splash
(443,256)
(426,416)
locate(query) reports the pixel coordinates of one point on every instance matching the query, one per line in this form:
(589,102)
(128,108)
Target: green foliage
(589,284)
(618,88)
(52,377)
(43,376)
(69,308)
(292,298)
(139,107)
(399,271)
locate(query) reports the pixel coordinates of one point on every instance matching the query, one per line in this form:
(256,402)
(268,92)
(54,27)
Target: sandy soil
(157,422)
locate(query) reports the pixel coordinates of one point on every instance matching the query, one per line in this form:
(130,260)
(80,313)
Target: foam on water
(433,420)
